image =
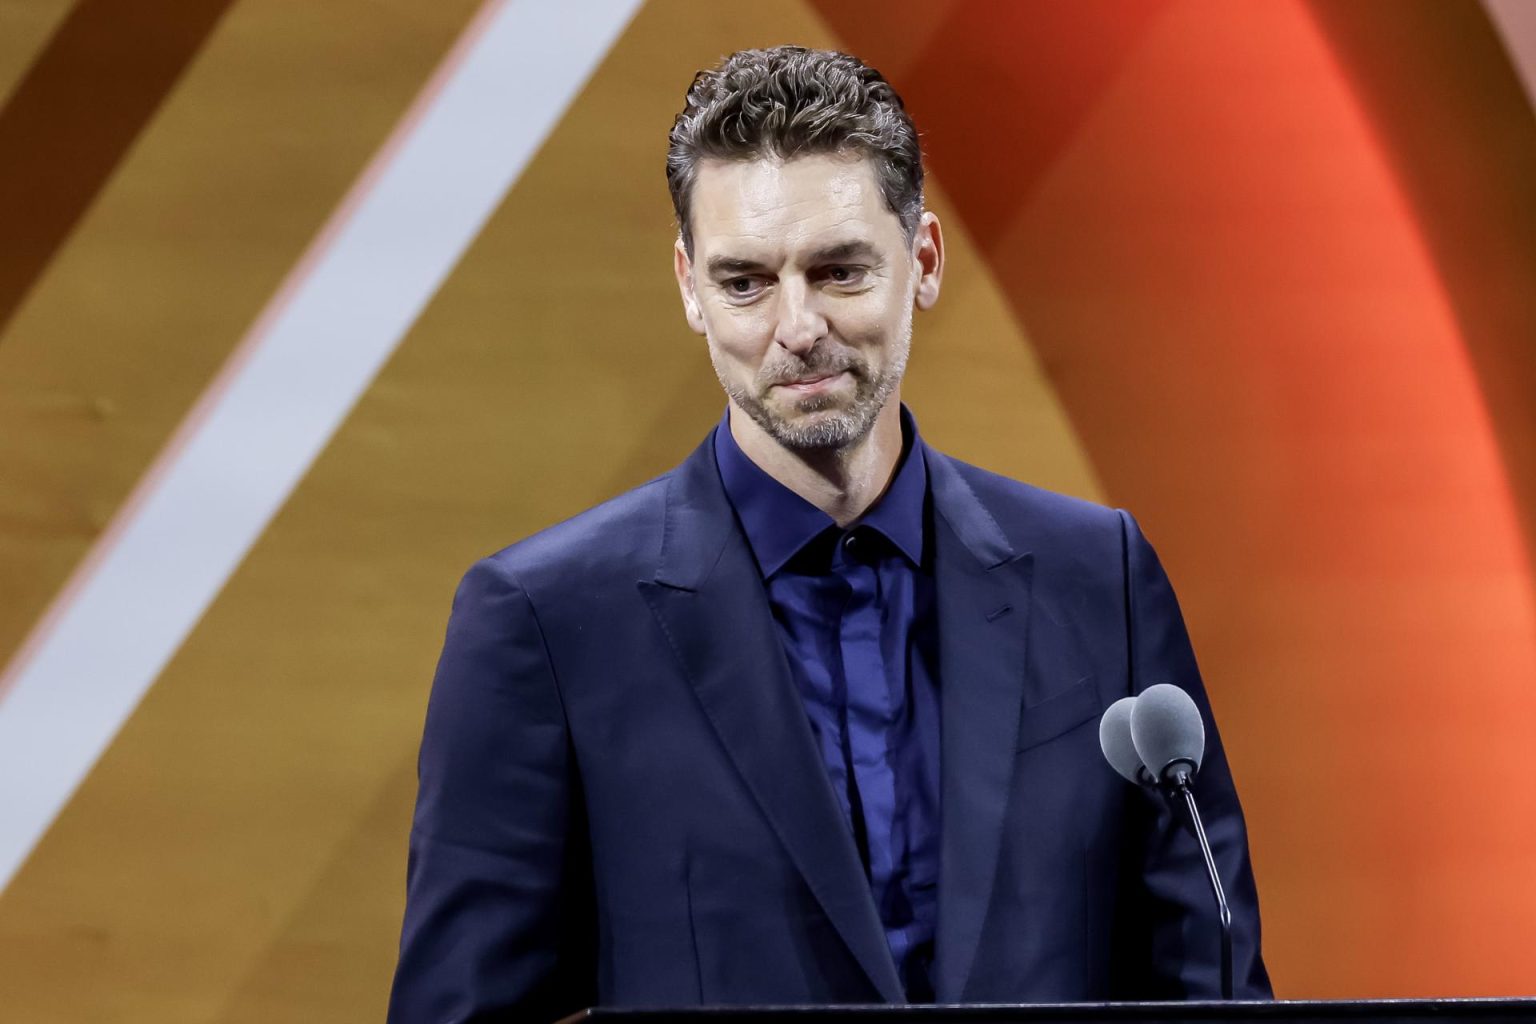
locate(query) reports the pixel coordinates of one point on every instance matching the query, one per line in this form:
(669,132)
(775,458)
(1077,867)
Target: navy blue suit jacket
(621,801)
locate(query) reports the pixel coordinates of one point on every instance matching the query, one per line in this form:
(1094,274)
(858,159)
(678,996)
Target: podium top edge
(1383,1011)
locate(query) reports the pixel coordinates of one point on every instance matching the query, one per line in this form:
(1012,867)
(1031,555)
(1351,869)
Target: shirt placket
(868,718)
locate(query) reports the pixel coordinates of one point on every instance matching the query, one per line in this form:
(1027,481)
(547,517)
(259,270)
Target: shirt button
(854,546)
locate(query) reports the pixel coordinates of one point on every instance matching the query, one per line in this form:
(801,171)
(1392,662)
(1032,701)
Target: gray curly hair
(791,101)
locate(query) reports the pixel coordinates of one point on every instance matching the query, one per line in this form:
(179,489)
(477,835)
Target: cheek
(731,352)
(741,335)
(871,321)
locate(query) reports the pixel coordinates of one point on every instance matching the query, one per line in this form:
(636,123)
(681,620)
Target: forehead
(768,207)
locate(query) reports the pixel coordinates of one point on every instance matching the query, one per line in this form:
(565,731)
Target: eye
(843,274)
(741,287)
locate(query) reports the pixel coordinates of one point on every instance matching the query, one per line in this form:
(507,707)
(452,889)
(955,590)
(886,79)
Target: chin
(819,431)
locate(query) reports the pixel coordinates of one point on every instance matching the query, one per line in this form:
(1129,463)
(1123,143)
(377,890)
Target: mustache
(818,365)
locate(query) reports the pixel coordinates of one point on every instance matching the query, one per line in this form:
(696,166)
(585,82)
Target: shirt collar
(779,523)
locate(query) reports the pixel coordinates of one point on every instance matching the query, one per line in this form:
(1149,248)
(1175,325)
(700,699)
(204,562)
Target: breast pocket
(1059,713)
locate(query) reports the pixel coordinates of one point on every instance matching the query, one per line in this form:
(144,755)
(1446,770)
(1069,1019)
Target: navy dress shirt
(855,610)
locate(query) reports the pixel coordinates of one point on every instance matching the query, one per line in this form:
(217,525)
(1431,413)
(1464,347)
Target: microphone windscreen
(1166,727)
(1115,740)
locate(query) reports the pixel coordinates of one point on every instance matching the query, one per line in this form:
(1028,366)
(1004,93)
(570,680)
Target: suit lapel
(709,600)
(983,588)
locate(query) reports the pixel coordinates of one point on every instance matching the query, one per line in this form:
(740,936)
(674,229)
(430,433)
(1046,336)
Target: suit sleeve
(1183,930)
(498,918)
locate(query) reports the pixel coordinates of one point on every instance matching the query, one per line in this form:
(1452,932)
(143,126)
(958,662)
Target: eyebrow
(858,250)
(727,266)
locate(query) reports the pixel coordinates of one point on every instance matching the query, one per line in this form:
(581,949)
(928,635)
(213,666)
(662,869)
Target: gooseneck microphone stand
(1179,775)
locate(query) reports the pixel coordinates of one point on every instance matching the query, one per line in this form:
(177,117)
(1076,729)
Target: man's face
(803,282)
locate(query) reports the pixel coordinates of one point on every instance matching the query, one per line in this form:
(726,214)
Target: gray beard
(841,429)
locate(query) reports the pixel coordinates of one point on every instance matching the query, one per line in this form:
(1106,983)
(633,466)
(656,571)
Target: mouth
(814,384)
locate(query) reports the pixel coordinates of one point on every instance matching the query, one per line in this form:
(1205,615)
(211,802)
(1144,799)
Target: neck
(842,482)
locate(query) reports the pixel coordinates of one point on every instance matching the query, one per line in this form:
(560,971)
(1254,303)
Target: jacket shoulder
(1034,518)
(617,537)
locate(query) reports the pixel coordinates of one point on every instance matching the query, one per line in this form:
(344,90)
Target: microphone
(1168,737)
(1118,746)
(1168,733)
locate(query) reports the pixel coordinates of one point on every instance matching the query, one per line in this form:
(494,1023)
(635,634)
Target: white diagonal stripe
(1515,21)
(283,393)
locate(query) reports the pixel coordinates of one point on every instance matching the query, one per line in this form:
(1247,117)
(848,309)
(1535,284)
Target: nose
(801,324)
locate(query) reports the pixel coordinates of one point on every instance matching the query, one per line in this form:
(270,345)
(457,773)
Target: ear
(928,252)
(683,268)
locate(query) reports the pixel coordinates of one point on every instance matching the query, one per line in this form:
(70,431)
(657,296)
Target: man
(812,718)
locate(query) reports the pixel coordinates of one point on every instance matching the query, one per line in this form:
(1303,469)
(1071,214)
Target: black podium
(1376,1011)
